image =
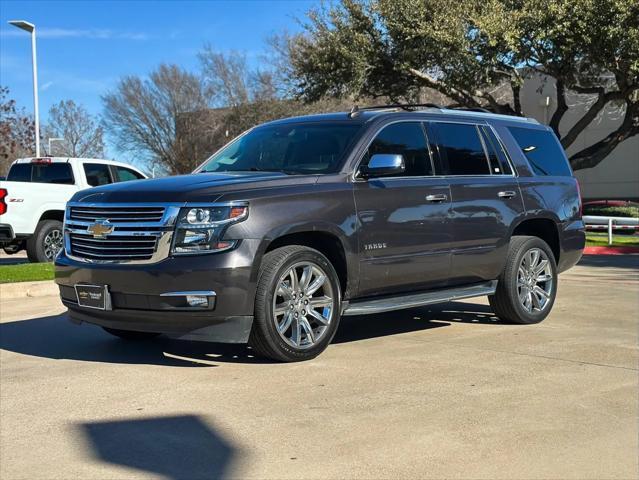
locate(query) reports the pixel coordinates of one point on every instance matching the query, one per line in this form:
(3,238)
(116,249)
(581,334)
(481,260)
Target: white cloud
(56,33)
(45,86)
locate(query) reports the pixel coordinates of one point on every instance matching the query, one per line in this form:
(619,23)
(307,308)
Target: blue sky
(84,47)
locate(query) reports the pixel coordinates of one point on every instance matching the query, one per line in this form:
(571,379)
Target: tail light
(3,203)
(41,160)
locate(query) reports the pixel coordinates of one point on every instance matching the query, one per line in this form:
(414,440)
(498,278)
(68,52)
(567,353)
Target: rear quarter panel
(27,202)
(550,197)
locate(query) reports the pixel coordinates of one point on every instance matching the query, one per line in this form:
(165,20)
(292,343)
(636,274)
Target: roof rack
(472,109)
(392,106)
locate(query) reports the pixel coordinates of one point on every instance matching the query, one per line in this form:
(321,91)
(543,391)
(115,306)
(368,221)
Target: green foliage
(26,272)
(594,239)
(465,50)
(631,211)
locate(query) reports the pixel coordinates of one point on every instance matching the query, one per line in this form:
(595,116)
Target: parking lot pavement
(437,392)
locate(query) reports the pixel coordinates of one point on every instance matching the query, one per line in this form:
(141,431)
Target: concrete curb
(10,291)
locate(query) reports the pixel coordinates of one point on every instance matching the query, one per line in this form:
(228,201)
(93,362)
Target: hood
(197,187)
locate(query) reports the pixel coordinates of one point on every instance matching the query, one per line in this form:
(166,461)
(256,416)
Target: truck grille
(117,215)
(114,233)
(116,248)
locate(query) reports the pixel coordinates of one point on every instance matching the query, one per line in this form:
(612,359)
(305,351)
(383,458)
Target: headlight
(200,229)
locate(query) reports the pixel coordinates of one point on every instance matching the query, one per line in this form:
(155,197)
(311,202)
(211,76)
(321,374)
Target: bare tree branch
(594,154)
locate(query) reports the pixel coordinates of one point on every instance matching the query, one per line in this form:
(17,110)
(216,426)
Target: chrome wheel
(303,305)
(52,243)
(534,280)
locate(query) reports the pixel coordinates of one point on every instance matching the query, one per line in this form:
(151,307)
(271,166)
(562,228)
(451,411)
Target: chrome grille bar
(138,233)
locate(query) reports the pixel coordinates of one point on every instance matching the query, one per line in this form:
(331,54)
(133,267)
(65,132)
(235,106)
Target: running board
(400,302)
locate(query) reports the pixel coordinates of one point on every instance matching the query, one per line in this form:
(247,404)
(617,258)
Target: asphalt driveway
(440,392)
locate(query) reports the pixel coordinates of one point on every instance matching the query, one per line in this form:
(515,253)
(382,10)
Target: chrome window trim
(355,179)
(506,154)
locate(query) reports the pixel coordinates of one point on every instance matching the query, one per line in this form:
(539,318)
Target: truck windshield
(302,148)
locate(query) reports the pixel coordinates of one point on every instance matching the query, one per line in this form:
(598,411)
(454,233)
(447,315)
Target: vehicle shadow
(610,261)
(173,447)
(462,312)
(57,338)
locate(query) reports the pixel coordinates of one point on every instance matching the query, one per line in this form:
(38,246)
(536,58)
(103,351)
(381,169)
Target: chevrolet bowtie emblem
(100,229)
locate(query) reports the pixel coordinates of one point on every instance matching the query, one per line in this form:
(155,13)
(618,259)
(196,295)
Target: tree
(141,114)
(467,51)
(17,132)
(80,132)
(230,82)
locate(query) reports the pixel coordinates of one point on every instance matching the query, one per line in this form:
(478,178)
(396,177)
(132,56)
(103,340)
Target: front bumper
(136,290)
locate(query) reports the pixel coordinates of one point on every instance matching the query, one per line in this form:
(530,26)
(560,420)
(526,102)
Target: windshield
(290,148)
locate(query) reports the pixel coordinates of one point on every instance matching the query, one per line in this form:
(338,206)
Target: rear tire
(46,242)
(130,334)
(527,286)
(297,305)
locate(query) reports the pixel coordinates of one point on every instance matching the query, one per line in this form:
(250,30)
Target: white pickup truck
(34,195)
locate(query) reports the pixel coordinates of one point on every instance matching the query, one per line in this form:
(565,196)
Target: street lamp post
(57,139)
(30,27)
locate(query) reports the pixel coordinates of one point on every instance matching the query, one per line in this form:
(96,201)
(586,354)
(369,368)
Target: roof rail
(472,109)
(355,110)
(392,106)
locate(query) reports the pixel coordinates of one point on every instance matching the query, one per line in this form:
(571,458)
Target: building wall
(617,176)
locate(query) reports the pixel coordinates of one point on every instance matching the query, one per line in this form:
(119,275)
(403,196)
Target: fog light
(197,300)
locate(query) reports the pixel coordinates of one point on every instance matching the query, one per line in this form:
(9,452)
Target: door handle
(506,194)
(441,197)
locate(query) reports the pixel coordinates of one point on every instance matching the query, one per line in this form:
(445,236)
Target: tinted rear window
(20,172)
(543,151)
(58,173)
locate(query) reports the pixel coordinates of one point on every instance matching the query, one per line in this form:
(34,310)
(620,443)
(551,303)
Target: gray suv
(301,221)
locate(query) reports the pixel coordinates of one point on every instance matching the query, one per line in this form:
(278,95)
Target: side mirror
(383,164)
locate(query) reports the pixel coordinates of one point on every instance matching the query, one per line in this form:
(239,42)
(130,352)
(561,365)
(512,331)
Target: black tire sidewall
(35,244)
(534,317)
(265,313)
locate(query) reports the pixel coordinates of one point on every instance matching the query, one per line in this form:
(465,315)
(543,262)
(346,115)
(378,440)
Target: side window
(406,139)
(126,174)
(97,174)
(498,161)
(461,149)
(543,151)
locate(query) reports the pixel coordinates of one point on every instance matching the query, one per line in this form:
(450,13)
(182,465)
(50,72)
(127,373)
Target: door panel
(404,238)
(485,202)
(480,221)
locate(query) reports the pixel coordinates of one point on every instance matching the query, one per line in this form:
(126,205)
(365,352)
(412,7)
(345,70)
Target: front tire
(46,242)
(130,334)
(527,286)
(297,305)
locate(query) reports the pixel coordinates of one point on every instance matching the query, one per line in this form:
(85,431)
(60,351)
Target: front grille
(138,234)
(117,215)
(116,247)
